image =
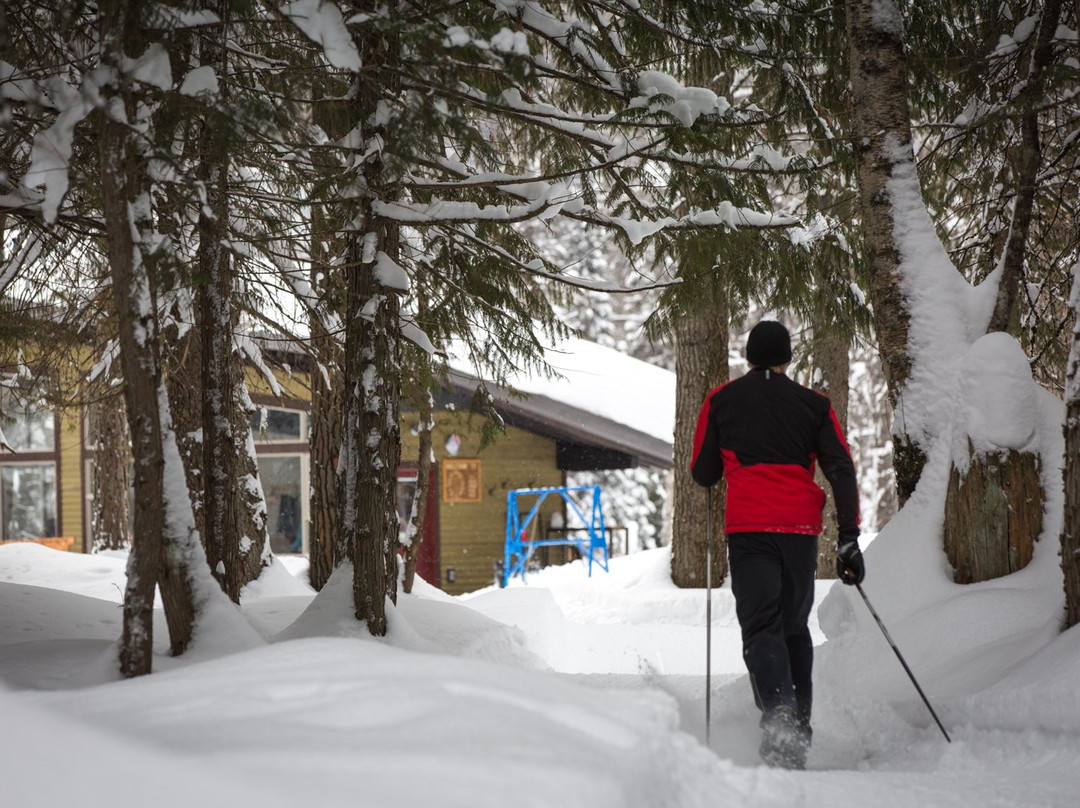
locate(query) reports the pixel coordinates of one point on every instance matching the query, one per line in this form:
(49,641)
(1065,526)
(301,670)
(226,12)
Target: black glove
(849,563)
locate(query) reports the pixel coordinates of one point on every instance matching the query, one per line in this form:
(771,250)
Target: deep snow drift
(570,691)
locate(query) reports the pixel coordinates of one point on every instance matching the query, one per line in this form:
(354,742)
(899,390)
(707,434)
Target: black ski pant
(772,577)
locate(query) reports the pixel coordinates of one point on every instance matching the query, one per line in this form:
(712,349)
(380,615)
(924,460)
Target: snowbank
(569,691)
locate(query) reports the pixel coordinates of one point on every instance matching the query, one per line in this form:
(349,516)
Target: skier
(763,433)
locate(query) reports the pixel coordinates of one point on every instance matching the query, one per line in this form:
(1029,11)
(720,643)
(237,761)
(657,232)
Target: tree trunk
(156,559)
(420,499)
(111,518)
(371,440)
(327,401)
(1070,534)
(833,371)
(701,364)
(249,500)
(881,135)
(215,320)
(183,363)
(123,187)
(370,447)
(1028,162)
(327,548)
(993,515)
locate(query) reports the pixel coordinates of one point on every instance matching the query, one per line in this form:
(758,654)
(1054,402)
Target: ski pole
(708,613)
(900,656)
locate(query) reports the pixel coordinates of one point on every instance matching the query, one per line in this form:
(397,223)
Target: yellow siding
(472,534)
(292,386)
(69,469)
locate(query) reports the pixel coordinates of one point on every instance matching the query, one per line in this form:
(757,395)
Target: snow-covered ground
(567,692)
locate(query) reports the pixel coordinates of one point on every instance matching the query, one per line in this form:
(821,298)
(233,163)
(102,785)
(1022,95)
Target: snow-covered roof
(601,398)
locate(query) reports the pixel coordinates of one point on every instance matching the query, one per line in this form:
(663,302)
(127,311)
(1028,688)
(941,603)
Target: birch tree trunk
(834,369)
(881,135)
(701,364)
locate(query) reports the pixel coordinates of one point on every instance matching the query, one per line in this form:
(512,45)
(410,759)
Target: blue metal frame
(518,550)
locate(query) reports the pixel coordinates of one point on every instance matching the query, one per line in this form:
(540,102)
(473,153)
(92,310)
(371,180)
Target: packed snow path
(569,692)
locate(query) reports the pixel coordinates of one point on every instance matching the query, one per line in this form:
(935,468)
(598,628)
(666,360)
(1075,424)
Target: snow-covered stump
(994,500)
(993,515)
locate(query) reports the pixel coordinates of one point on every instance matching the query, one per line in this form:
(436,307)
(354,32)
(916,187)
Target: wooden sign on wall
(460,480)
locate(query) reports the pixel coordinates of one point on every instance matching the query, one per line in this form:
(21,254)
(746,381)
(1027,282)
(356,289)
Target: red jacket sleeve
(839,470)
(706,466)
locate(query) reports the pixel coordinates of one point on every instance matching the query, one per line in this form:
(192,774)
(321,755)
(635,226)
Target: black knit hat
(768,345)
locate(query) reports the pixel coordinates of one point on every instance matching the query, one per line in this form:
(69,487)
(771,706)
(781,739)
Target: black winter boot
(786,740)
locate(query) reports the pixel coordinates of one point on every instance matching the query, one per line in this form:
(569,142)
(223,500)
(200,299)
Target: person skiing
(763,432)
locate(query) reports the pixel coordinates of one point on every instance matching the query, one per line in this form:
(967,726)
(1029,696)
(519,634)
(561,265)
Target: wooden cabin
(45,487)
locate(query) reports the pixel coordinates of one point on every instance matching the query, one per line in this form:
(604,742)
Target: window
(280,436)
(281,482)
(28,500)
(28,477)
(27,427)
(273,425)
(406,493)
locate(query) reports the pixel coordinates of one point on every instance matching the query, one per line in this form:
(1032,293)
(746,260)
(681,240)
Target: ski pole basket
(519,547)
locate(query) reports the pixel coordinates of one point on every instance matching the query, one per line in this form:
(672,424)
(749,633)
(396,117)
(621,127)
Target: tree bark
(123,185)
(327,402)
(881,123)
(993,515)
(249,500)
(832,363)
(182,357)
(371,440)
(701,364)
(111,519)
(420,499)
(327,548)
(1027,171)
(371,448)
(156,559)
(215,319)
(1070,534)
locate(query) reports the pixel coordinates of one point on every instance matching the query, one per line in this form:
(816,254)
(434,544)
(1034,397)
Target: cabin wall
(472,534)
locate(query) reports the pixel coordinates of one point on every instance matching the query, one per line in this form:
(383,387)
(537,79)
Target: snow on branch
(662,92)
(725,215)
(322,23)
(442,211)
(50,156)
(564,35)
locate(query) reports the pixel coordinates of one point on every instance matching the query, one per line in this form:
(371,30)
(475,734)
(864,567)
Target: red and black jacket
(764,433)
